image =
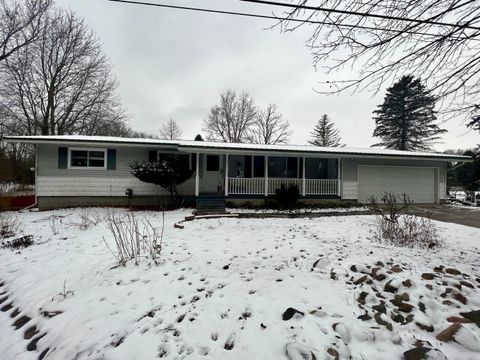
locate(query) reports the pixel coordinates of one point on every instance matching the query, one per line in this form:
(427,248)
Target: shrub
(287,197)
(134,238)
(18,243)
(9,226)
(393,227)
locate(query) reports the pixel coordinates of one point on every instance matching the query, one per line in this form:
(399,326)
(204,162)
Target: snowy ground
(311,210)
(223,286)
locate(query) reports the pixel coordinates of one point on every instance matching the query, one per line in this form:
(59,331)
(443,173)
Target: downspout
(36,182)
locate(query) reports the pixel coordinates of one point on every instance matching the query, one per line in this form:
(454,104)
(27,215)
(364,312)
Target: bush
(287,197)
(18,243)
(134,238)
(9,226)
(393,227)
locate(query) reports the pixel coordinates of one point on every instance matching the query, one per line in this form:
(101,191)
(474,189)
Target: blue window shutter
(62,157)
(152,156)
(111,159)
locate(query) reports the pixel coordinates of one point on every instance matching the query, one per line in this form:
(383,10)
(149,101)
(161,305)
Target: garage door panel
(417,183)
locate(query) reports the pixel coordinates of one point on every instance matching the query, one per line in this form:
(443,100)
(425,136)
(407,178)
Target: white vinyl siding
(52,181)
(418,183)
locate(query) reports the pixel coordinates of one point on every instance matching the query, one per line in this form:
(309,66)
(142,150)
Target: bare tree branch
(269,127)
(170,130)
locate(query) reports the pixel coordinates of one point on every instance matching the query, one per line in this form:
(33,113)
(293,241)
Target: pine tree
(406,119)
(325,134)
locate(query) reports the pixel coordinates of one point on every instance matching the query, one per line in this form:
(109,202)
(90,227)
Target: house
(95,171)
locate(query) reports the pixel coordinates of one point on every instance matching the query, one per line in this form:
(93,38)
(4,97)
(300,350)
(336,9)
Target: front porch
(254,176)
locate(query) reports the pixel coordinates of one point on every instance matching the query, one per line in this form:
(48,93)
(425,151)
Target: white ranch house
(95,171)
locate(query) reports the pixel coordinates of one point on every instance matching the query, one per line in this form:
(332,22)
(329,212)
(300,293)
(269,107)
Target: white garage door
(417,183)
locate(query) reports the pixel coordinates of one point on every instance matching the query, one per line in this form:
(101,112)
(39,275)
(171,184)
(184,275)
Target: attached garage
(419,183)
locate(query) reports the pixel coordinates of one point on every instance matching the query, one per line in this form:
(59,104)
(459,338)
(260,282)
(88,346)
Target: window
(258,166)
(213,162)
(83,158)
(177,158)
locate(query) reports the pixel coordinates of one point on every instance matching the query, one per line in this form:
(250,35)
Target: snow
(192,145)
(219,281)
(306,211)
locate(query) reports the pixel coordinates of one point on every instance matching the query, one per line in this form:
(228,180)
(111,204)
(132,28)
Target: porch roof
(234,148)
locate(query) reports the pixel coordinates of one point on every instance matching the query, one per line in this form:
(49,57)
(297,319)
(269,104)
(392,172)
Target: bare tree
(230,120)
(21,23)
(383,40)
(170,130)
(269,127)
(61,84)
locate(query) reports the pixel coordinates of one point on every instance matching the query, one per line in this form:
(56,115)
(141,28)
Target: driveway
(453,214)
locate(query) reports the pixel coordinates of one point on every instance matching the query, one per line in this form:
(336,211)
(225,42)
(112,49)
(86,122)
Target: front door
(212,179)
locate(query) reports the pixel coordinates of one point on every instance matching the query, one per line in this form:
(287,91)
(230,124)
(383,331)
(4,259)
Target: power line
(357,13)
(307,21)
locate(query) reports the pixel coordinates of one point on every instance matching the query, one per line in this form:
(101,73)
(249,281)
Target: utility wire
(244,14)
(363,14)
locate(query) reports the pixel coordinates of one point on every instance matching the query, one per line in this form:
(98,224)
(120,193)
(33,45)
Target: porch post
(226,175)
(266,175)
(339,184)
(197,175)
(303,177)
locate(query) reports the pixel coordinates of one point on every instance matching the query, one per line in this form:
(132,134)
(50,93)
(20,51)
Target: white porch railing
(276,183)
(321,186)
(256,186)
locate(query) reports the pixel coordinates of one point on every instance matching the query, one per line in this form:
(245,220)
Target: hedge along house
(95,171)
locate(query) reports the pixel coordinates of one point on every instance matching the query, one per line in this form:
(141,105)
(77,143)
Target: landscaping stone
(428,276)
(396,269)
(361,280)
(389,287)
(473,316)
(452,271)
(448,334)
(461,320)
(380,321)
(407,283)
(291,312)
(423,353)
(405,307)
(424,327)
(378,275)
(459,297)
(333,352)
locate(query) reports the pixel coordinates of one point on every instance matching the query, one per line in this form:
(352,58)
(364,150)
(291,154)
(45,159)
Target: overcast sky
(174,64)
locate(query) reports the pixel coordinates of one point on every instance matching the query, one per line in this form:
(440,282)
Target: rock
(360,280)
(449,333)
(364,317)
(333,352)
(343,331)
(405,307)
(452,271)
(178,226)
(396,269)
(439,268)
(407,283)
(429,286)
(461,320)
(422,307)
(428,276)
(361,298)
(226,267)
(473,316)
(353,268)
(424,327)
(398,318)
(297,351)
(381,321)
(390,287)
(467,284)
(378,275)
(398,299)
(379,263)
(290,312)
(459,297)
(263,326)
(380,308)
(423,353)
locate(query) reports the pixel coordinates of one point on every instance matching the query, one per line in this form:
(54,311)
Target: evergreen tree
(325,134)
(198,138)
(406,119)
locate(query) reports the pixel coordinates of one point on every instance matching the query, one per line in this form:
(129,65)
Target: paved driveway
(453,214)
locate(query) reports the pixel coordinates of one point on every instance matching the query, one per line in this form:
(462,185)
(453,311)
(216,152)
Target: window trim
(104,150)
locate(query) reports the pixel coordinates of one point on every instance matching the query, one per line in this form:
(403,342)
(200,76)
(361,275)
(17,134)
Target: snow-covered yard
(223,285)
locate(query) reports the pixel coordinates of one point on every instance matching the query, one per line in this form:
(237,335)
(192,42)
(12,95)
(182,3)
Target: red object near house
(16,202)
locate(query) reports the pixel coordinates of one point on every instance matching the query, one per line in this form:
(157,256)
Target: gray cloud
(174,64)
